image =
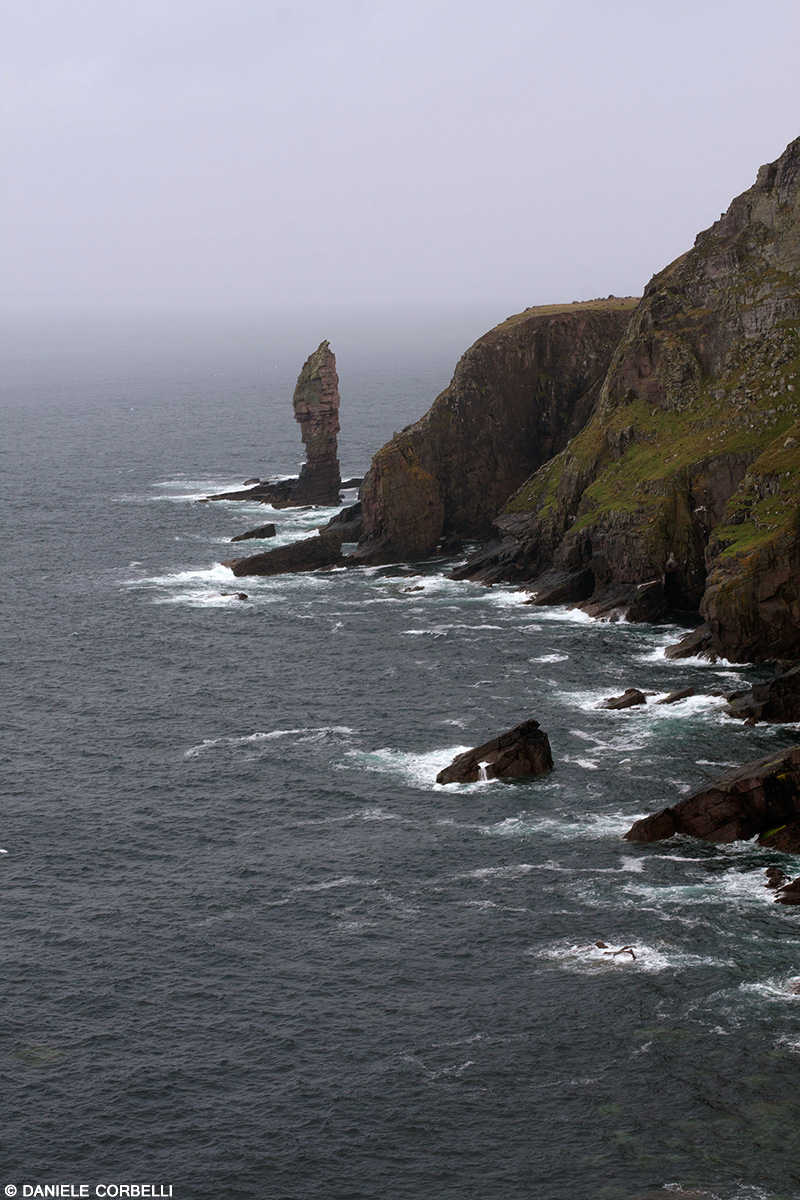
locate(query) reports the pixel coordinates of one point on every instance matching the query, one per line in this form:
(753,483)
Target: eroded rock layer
(517,397)
(683,490)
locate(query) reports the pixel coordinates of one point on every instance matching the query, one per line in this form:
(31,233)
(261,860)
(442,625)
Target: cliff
(683,489)
(517,397)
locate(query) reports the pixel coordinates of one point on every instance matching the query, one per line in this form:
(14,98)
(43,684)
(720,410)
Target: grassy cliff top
(605,304)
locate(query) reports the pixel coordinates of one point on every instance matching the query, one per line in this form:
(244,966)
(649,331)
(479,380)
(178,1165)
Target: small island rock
(523,750)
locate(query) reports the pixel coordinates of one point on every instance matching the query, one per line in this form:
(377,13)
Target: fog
(235,155)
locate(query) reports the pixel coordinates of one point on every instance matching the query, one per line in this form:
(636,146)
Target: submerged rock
(310,554)
(760,800)
(523,750)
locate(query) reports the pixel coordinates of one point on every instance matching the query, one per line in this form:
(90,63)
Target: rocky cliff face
(684,487)
(316,407)
(516,398)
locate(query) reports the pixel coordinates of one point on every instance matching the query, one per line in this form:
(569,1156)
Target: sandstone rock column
(316,407)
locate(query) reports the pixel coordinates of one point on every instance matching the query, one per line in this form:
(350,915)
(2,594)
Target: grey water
(250,948)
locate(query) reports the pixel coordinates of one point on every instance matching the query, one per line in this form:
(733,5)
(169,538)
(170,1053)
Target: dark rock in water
(324,550)
(785,838)
(238,595)
(262,531)
(349,522)
(681,694)
(451,545)
(696,644)
(524,750)
(562,587)
(789,894)
(776,700)
(757,799)
(262,493)
(347,484)
(316,407)
(629,698)
(250,482)
(776,878)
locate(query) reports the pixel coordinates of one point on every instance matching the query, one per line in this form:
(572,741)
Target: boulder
(776,700)
(523,750)
(696,644)
(262,531)
(756,800)
(310,554)
(789,893)
(673,697)
(629,698)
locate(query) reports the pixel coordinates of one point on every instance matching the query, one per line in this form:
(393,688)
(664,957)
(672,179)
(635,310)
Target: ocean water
(251,949)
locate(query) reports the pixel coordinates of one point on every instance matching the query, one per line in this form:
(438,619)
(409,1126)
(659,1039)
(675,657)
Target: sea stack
(316,407)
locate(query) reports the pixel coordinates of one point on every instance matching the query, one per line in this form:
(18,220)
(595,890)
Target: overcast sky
(253,154)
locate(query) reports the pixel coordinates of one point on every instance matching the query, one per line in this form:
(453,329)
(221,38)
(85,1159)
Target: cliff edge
(516,398)
(683,489)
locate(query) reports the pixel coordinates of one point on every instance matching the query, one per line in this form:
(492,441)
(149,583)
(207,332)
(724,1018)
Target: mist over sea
(251,949)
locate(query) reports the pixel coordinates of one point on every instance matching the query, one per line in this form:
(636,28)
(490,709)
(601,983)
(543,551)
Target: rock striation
(316,407)
(761,799)
(683,489)
(516,398)
(523,750)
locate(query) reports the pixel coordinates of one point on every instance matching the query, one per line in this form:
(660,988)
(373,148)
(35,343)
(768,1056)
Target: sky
(249,155)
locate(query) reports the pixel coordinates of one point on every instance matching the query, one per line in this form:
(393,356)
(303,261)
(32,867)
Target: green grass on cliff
(609,304)
(637,458)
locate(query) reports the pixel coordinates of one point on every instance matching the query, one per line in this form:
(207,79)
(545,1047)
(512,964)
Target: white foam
(549,658)
(625,956)
(344,881)
(316,733)
(418,769)
(594,825)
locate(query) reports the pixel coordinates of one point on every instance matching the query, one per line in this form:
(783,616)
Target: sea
(251,950)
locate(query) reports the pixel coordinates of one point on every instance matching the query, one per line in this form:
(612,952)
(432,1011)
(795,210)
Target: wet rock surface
(761,799)
(629,699)
(310,554)
(261,531)
(776,700)
(523,750)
